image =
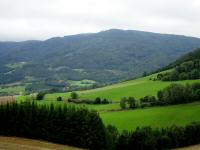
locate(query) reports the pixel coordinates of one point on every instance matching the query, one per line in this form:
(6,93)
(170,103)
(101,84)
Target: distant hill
(104,57)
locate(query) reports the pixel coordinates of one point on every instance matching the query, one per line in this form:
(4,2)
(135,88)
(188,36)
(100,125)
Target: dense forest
(186,67)
(186,71)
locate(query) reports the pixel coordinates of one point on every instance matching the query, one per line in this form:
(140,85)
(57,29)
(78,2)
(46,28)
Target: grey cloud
(42,19)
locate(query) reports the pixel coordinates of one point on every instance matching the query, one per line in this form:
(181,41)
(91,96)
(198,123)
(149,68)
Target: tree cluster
(74,98)
(173,94)
(178,93)
(40,95)
(61,124)
(97,101)
(147,138)
(185,71)
(128,103)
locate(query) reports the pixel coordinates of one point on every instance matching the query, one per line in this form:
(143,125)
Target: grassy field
(15,143)
(82,83)
(137,88)
(155,116)
(14,89)
(130,119)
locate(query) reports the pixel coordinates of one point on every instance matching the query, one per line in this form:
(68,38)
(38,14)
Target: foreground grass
(15,143)
(155,117)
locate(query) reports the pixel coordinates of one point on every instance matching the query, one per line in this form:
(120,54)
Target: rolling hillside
(130,119)
(138,88)
(156,117)
(104,57)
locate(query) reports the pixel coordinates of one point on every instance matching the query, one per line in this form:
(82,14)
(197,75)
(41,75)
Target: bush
(74,95)
(123,103)
(97,100)
(59,98)
(40,96)
(132,102)
(105,101)
(175,94)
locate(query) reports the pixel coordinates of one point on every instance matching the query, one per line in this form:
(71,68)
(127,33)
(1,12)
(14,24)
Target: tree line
(60,124)
(172,94)
(74,98)
(147,138)
(185,71)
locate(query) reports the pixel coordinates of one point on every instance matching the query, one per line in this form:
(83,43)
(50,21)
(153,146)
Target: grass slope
(137,88)
(156,116)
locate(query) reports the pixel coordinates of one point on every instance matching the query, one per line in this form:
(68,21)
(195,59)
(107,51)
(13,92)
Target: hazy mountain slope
(106,56)
(191,56)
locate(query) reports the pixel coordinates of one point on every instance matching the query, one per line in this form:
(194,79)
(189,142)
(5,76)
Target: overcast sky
(42,19)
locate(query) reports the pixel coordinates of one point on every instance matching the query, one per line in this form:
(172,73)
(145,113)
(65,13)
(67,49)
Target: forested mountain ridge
(186,67)
(191,56)
(104,57)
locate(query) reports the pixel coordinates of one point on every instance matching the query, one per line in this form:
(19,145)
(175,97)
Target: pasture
(155,117)
(130,119)
(136,88)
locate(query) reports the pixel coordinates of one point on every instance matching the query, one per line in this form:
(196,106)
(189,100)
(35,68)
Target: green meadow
(136,88)
(156,117)
(130,119)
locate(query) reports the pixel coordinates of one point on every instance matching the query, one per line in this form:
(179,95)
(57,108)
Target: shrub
(132,102)
(123,102)
(59,98)
(105,101)
(40,96)
(97,100)
(74,95)
(175,94)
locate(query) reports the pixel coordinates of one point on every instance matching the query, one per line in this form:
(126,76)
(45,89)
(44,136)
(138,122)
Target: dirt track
(15,143)
(195,147)
(7,99)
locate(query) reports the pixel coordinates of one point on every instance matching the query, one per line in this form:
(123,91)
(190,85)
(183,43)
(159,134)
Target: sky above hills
(42,19)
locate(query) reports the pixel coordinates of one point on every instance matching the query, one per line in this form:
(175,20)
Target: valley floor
(16,143)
